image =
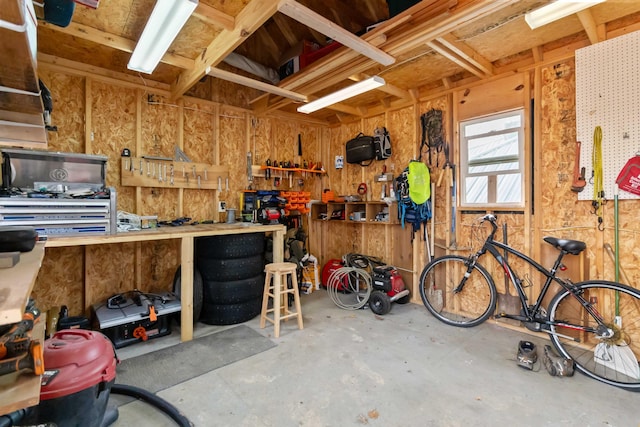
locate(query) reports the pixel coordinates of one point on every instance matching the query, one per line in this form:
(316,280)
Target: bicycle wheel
(466,307)
(606,354)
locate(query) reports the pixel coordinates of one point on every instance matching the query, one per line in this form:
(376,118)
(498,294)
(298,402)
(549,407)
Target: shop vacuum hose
(153,400)
(14,418)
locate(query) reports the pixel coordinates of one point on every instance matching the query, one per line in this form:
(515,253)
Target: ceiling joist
(247,22)
(214,16)
(319,23)
(589,25)
(256,84)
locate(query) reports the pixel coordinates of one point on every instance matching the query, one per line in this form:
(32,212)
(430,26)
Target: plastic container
(80,368)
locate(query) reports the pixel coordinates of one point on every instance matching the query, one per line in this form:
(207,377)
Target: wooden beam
(313,20)
(538,53)
(589,25)
(285,29)
(67,66)
(214,16)
(247,22)
(256,84)
(387,88)
(454,57)
(467,53)
(270,45)
(94,35)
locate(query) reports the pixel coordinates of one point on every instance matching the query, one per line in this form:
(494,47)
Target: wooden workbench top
(163,233)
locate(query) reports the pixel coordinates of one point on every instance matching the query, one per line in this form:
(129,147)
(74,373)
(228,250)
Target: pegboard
(608,95)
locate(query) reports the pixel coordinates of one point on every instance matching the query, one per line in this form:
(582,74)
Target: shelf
(17,284)
(22,389)
(21,109)
(368,212)
(259,171)
(19,390)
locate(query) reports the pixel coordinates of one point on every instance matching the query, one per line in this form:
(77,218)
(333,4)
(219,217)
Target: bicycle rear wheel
(469,306)
(611,359)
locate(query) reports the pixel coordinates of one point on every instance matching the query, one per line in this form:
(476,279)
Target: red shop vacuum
(80,369)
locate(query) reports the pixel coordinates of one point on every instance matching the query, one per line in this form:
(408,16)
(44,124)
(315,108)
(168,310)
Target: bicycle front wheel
(441,291)
(609,354)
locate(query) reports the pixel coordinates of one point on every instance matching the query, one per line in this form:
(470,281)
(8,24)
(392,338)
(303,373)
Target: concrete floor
(352,368)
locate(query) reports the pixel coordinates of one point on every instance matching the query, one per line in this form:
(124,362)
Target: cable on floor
(349,287)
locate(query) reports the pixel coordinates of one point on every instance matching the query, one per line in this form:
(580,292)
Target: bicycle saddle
(573,247)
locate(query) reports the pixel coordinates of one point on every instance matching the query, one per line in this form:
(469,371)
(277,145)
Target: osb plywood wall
(555,210)
(97,117)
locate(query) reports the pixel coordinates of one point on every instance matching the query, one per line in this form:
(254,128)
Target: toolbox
(128,319)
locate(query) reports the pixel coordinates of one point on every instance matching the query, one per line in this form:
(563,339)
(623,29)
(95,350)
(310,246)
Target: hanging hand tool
(578,174)
(598,183)
(267,171)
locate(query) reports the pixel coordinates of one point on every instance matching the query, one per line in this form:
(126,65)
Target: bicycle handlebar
(492,219)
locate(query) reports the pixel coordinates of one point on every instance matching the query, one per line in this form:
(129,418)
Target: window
(491,154)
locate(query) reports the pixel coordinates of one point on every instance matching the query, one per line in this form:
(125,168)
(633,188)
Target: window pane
(476,189)
(509,188)
(493,125)
(494,167)
(490,147)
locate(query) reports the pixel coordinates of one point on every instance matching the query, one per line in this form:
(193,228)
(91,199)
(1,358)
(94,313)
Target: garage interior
(201,140)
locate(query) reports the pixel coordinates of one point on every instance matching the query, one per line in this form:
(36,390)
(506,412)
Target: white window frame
(492,176)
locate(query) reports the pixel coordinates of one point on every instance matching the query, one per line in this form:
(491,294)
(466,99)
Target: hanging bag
(361,149)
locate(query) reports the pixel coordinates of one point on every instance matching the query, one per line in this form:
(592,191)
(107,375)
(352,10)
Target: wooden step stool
(275,287)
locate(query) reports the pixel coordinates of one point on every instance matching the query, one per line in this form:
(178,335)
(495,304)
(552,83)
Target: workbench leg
(278,244)
(186,289)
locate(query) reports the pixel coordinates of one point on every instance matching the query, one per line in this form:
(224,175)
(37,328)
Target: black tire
(230,314)
(233,292)
(225,270)
(596,355)
(379,303)
(467,307)
(197,291)
(230,246)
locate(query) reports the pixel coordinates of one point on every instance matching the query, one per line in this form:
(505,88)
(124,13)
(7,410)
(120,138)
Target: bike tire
(614,360)
(470,307)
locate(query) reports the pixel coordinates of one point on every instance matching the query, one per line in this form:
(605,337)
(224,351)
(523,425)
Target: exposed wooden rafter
(247,22)
(313,20)
(214,16)
(256,84)
(589,25)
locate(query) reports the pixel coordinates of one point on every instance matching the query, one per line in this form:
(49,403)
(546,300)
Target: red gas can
(331,266)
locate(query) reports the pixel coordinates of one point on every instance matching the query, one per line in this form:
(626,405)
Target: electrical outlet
(222,206)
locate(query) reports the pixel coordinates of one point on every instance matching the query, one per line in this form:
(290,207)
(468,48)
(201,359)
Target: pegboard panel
(608,95)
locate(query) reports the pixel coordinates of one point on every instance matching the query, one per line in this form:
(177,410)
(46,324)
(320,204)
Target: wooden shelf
(18,283)
(367,211)
(21,107)
(20,390)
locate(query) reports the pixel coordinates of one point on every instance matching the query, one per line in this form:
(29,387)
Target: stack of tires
(232,269)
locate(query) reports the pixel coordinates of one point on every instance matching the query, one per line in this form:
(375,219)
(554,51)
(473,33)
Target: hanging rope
(598,186)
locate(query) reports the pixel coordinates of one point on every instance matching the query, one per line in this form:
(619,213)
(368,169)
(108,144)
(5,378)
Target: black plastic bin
(80,368)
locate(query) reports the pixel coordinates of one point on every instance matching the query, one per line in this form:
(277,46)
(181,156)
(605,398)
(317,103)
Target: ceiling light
(346,93)
(166,20)
(557,10)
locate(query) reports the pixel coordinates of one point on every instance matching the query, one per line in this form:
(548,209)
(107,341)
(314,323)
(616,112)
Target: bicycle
(584,320)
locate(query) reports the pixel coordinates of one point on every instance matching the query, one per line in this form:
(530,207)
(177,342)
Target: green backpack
(413,192)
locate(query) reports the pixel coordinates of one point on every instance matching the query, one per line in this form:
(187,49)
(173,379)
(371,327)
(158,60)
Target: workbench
(19,390)
(186,234)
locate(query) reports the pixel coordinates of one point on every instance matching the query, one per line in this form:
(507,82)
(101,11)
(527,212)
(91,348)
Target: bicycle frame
(493,247)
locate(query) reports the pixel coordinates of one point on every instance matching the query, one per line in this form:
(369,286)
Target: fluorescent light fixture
(557,10)
(346,93)
(164,24)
